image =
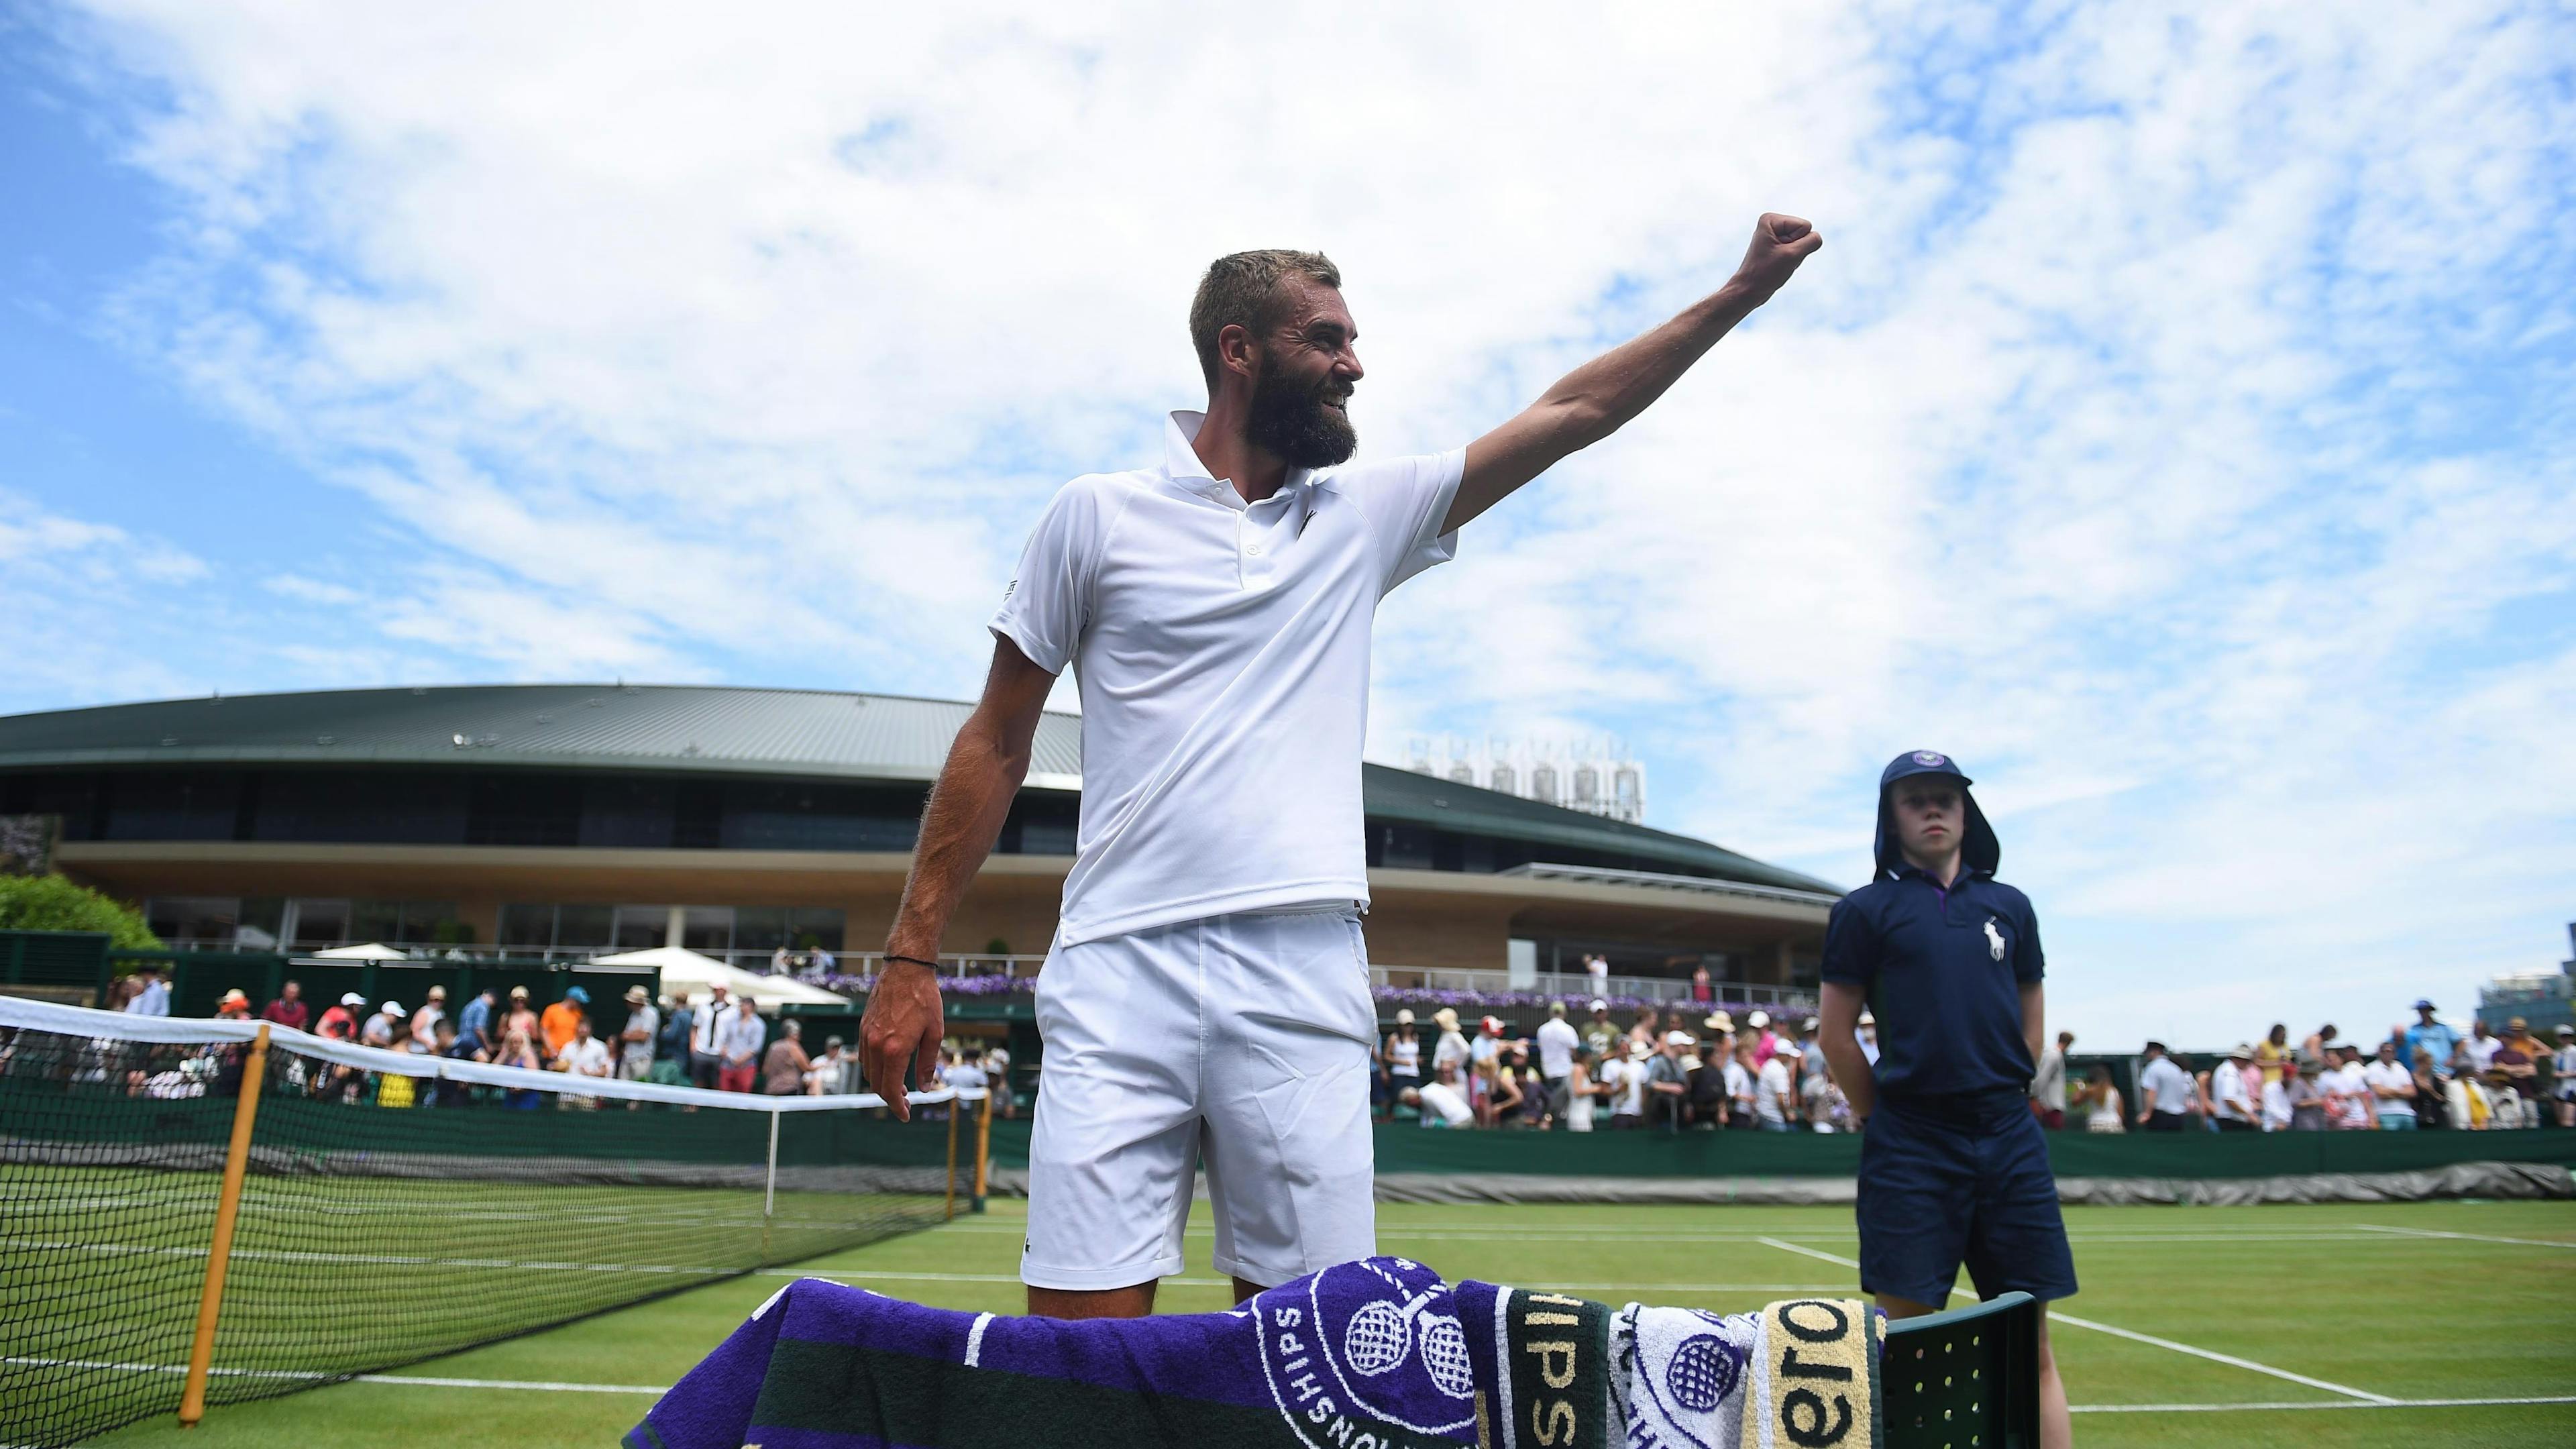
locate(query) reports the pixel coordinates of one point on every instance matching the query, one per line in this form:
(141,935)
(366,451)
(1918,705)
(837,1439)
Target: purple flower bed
(992,984)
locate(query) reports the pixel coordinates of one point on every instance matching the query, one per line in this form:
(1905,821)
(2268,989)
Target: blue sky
(2174,426)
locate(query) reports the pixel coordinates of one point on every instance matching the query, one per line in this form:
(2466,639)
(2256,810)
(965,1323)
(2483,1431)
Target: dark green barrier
(1402,1147)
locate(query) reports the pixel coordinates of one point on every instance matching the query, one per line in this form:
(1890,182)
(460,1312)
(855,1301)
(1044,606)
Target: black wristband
(915,960)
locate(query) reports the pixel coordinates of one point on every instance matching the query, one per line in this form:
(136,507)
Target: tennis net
(390,1208)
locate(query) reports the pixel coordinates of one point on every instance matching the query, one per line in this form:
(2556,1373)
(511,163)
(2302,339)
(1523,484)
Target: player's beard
(1292,422)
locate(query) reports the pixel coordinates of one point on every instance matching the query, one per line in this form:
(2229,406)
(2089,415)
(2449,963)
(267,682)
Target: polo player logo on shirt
(1994,940)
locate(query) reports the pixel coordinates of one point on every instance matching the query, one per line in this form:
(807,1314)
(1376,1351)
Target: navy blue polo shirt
(1943,970)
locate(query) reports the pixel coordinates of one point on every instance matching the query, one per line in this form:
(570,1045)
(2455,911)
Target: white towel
(1680,1375)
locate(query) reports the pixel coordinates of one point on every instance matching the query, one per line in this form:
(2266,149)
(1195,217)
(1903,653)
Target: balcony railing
(960,966)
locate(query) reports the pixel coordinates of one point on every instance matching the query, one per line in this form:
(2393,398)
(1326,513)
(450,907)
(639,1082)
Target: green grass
(2306,1290)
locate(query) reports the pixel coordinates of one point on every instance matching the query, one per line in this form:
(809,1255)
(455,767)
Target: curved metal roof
(693,728)
(709,729)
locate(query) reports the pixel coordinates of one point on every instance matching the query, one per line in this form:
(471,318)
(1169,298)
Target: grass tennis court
(2403,1302)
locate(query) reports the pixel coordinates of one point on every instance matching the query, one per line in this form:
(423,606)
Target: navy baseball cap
(1921,762)
(1980,850)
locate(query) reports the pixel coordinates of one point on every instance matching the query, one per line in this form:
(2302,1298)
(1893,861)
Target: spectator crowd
(2423,1076)
(721,1045)
(1685,1067)
(1686,1071)
(1677,1069)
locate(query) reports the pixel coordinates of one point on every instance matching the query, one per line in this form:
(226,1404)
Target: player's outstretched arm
(1598,398)
(967,807)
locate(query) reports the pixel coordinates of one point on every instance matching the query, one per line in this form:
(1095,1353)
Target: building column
(675,928)
(1782,958)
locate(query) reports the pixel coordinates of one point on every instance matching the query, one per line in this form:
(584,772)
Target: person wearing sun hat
(635,1038)
(1765,1040)
(1451,1046)
(2434,1038)
(1602,1034)
(1954,1169)
(2232,1085)
(1399,1062)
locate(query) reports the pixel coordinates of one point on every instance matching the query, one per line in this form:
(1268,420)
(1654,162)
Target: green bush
(52,903)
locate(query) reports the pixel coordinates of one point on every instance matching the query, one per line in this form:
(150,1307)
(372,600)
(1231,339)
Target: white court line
(420,1381)
(2470,1237)
(2146,1338)
(2309,1404)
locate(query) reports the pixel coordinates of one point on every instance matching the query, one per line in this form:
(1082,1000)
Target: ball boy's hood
(1979,854)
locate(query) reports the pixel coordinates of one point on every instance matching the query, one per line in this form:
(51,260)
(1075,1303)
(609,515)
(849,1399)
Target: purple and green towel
(1374,1354)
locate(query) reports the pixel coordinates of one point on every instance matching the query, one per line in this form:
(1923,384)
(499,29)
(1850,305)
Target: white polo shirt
(1223,654)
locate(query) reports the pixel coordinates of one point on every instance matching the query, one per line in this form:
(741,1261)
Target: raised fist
(1779,244)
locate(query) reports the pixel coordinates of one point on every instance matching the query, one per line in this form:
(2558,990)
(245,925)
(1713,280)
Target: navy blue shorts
(1941,1191)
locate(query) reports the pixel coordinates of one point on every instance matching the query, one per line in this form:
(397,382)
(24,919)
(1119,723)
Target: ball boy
(1954,1169)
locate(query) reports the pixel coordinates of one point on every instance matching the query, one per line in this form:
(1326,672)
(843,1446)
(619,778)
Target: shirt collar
(1181,464)
(1966,874)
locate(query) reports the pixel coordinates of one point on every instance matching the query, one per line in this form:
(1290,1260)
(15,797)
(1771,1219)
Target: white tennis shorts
(1241,1040)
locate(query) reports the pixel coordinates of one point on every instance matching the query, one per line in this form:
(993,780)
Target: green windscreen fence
(392,1208)
(1404,1148)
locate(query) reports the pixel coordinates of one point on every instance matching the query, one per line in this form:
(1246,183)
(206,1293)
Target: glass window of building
(184,921)
(1543,783)
(759,928)
(526,927)
(1463,773)
(809,927)
(376,921)
(1587,785)
(587,928)
(172,805)
(317,923)
(641,928)
(1504,781)
(707,930)
(262,920)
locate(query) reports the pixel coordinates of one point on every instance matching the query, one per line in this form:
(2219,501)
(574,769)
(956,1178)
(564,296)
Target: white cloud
(2128,436)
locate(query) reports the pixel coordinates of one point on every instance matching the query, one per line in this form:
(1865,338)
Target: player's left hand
(1780,243)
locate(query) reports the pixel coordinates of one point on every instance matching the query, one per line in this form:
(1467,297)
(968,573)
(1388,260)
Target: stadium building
(567,820)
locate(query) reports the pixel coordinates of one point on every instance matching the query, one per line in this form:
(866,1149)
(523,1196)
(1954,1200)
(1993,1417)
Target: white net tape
(81,1021)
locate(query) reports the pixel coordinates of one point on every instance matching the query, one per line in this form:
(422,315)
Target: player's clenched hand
(902,1028)
(1779,244)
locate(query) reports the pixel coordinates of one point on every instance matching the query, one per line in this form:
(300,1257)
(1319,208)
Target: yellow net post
(950,1210)
(210,1303)
(769,1188)
(983,1151)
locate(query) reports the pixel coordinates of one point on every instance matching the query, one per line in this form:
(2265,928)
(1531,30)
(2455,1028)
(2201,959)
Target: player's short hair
(1243,290)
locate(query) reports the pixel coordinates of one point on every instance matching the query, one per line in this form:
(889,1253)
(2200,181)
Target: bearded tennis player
(1206,998)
